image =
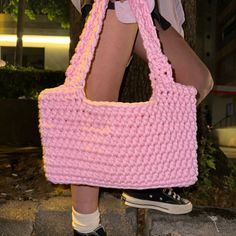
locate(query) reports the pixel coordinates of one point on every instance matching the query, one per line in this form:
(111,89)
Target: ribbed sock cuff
(85,223)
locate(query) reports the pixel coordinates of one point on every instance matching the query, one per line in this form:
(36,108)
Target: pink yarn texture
(113,144)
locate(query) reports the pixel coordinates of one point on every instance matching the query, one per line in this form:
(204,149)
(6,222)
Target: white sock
(85,223)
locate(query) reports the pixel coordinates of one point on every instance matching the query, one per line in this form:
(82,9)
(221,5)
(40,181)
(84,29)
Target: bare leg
(111,58)
(188,68)
(103,84)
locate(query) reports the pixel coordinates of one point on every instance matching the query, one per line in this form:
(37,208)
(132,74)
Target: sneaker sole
(164,207)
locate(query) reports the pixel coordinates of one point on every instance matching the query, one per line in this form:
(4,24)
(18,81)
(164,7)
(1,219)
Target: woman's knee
(187,66)
(205,83)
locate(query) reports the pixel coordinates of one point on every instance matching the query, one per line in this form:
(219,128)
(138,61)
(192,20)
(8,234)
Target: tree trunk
(190,24)
(76,26)
(20,27)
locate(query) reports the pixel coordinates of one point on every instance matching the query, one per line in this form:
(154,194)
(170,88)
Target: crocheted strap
(157,61)
(81,61)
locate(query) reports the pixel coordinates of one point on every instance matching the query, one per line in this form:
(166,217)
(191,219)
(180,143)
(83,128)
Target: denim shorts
(156,16)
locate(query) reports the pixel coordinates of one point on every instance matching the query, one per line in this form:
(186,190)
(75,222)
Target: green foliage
(206,160)
(16,82)
(206,149)
(215,170)
(53,9)
(10,7)
(217,175)
(229,181)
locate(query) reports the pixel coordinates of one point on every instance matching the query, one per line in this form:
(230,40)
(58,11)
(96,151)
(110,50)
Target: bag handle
(81,61)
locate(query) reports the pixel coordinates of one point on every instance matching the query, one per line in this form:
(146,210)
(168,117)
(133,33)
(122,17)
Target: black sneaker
(97,232)
(165,200)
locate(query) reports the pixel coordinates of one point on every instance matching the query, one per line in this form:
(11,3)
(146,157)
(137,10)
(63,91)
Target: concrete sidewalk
(53,218)
(201,221)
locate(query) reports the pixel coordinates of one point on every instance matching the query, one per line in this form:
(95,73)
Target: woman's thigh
(111,57)
(187,67)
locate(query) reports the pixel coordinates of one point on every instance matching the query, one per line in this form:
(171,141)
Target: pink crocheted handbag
(114,144)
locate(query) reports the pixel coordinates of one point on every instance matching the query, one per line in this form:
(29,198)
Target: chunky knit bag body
(113,144)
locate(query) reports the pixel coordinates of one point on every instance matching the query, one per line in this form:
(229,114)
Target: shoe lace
(171,193)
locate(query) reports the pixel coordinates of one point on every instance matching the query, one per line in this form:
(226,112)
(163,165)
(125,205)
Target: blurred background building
(45,43)
(216,43)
